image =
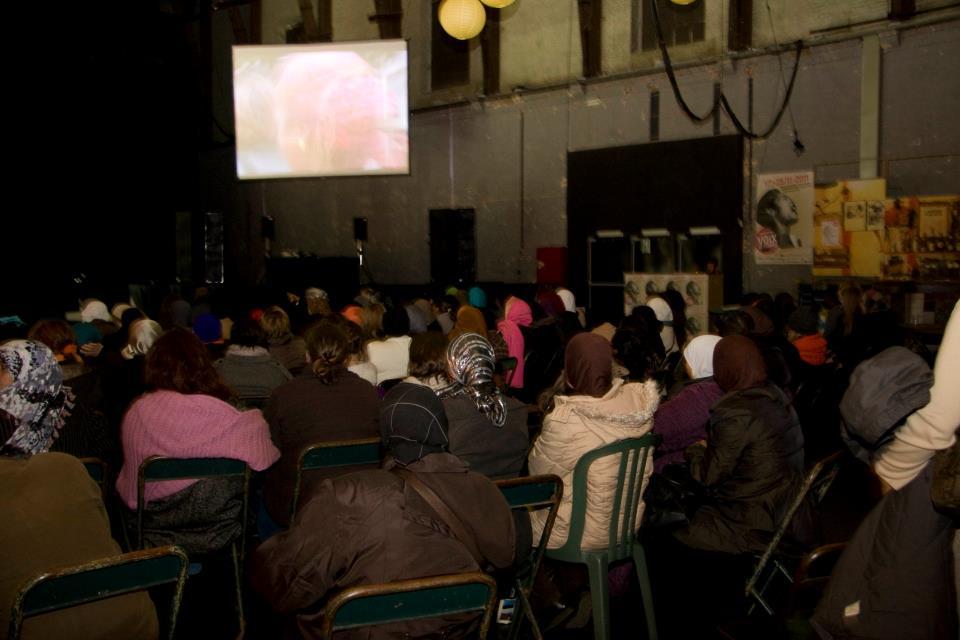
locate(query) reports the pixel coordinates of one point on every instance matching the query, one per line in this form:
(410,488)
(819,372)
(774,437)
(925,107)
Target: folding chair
(530,494)
(815,486)
(635,454)
(99,473)
(334,453)
(160,468)
(416,599)
(98,580)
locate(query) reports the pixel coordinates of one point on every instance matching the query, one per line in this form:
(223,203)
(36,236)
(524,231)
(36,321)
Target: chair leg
(643,578)
(235,553)
(599,594)
(522,611)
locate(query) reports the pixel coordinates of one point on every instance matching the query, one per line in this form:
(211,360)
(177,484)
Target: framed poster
(783,218)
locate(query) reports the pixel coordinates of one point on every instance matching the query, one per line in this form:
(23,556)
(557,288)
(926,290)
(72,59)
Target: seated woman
(247,368)
(373,526)
(682,420)
(516,314)
(391,355)
(428,361)
(325,402)
(185,415)
(597,411)
(471,320)
(286,348)
(488,431)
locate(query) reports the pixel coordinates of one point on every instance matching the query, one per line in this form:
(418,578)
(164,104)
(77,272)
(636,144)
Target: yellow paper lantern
(497,4)
(462,19)
(683,2)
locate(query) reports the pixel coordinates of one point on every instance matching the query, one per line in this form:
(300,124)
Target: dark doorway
(453,256)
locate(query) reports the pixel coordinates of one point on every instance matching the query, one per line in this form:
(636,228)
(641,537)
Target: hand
(91,349)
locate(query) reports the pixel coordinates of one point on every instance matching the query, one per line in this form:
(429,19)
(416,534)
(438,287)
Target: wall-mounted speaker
(360,229)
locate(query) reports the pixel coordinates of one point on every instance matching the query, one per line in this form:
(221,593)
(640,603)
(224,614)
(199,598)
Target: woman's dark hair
(428,355)
(329,347)
(678,308)
(247,332)
(354,334)
(635,350)
(179,362)
(396,322)
(735,323)
(54,333)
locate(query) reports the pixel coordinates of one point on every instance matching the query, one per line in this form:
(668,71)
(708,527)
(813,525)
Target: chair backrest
(815,485)
(99,472)
(416,599)
(160,468)
(634,454)
(533,493)
(101,579)
(253,402)
(334,453)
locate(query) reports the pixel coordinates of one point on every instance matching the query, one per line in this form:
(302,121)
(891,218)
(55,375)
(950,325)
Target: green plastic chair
(334,453)
(160,468)
(634,455)
(417,599)
(65,587)
(531,493)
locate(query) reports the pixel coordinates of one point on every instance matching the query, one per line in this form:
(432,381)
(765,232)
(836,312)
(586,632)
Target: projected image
(321,110)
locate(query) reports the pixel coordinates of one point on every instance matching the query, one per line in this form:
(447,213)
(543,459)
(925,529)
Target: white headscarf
(664,315)
(569,301)
(143,333)
(94,309)
(699,355)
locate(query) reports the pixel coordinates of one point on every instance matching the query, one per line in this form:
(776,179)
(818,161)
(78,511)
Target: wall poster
(637,287)
(783,218)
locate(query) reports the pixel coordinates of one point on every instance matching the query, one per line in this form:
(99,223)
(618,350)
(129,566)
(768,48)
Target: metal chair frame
(416,599)
(333,453)
(530,494)
(635,454)
(64,587)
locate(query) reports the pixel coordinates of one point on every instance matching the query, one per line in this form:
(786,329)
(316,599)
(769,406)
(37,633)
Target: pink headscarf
(517,315)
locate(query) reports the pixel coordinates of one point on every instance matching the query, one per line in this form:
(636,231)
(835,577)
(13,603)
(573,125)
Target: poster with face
(694,287)
(783,218)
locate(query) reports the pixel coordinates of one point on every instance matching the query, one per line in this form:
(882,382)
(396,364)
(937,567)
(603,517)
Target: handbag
(672,496)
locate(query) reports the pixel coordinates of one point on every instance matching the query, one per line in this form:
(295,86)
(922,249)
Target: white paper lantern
(497,4)
(683,2)
(462,19)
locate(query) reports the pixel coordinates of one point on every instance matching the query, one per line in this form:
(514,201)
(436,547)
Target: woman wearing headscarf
(471,320)
(95,312)
(487,430)
(516,314)
(597,411)
(391,355)
(385,530)
(665,315)
(51,512)
(39,413)
(125,382)
(682,420)
(476,297)
(752,464)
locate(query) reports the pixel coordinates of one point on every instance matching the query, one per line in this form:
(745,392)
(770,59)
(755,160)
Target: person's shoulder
(52,464)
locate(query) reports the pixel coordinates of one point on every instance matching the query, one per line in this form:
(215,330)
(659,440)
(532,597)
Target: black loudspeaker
(266,228)
(360,229)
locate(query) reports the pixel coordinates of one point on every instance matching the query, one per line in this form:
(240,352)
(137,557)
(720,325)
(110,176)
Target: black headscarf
(413,423)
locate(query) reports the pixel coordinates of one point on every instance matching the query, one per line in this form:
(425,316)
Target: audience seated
(247,367)
(286,348)
(470,320)
(383,530)
(185,415)
(804,334)
(428,361)
(324,403)
(516,314)
(391,355)
(357,360)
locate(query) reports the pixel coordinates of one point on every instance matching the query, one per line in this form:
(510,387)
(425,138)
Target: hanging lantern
(683,2)
(497,4)
(462,19)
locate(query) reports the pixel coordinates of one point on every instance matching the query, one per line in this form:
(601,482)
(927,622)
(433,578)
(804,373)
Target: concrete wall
(470,154)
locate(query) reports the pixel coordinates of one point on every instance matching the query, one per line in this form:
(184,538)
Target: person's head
(317,302)
(698,356)
(327,349)
(396,322)
(711,266)
(413,423)
(247,332)
(735,323)
(275,323)
(738,364)
(588,365)
(640,351)
(777,211)
(518,311)
(470,363)
(143,333)
(428,355)
(568,299)
(476,297)
(179,362)
(762,323)
(92,309)
(33,400)
(208,328)
(354,337)
(372,319)
(678,308)
(58,336)
(469,320)
(803,322)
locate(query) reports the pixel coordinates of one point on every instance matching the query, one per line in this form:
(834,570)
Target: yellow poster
(848,228)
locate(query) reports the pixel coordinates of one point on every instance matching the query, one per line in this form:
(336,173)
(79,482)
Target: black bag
(672,496)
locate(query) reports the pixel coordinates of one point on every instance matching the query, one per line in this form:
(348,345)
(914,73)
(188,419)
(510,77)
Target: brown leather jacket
(367,527)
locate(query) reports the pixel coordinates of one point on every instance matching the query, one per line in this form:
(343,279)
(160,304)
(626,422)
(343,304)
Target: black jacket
(751,469)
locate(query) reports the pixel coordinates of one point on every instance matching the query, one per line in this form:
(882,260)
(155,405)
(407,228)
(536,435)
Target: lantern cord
(720,101)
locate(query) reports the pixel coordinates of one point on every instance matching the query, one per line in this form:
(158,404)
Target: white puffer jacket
(579,424)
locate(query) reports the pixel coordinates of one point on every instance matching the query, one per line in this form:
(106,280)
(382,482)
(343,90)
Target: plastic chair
(634,455)
(160,468)
(815,486)
(99,473)
(530,494)
(334,453)
(417,599)
(65,587)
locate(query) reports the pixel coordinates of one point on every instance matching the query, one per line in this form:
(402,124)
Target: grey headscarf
(470,362)
(37,401)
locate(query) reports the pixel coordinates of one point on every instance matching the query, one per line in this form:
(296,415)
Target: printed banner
(783,218)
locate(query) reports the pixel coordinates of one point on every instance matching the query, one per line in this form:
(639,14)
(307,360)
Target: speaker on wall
(266,228)
(360,229)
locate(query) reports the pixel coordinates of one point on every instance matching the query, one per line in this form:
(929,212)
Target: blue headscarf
(477,298)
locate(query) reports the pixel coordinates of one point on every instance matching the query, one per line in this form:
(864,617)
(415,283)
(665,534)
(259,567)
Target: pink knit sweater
(172,424)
